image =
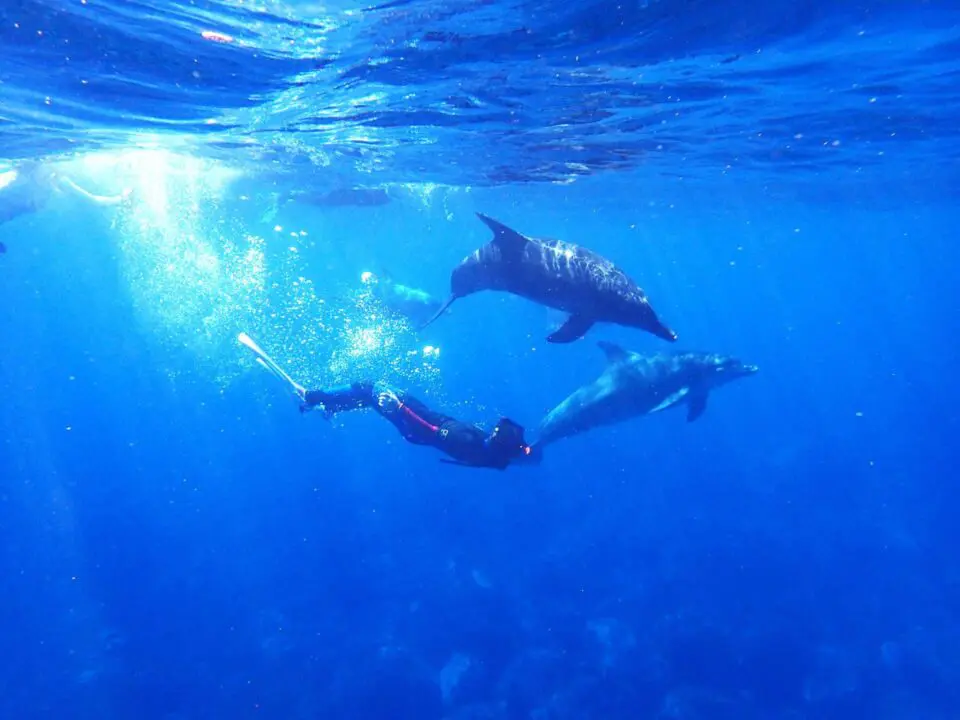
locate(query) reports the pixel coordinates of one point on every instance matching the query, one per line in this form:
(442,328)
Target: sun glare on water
(197,277)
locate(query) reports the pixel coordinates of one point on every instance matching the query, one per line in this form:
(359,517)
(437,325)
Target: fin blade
(267,362)
(697,405)
(574,328)
(614,352)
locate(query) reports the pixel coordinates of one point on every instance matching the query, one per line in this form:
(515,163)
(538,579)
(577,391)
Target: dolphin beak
(665,333)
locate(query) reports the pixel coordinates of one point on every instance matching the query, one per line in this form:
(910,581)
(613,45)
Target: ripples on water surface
(479,92)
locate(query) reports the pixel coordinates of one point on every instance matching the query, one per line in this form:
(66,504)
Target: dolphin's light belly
(634,385)
(607,401)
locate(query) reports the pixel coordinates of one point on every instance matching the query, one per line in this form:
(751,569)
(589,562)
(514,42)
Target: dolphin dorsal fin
(507,239)
(614,353)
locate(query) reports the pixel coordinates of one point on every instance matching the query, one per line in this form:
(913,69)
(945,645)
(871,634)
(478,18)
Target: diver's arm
(99,199)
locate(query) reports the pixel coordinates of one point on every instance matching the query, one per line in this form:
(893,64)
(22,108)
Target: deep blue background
(184,549)
(178,542)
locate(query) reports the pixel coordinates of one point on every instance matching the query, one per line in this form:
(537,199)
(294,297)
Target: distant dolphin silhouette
(559,275)
(414,303)
(633,385)
(343,197)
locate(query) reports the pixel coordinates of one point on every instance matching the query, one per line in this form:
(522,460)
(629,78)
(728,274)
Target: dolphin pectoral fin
(671,400)
(614,352)
(574,328)
(696,405)
(438,313)
(510,242)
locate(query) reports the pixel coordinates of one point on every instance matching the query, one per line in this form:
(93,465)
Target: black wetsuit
(465,443)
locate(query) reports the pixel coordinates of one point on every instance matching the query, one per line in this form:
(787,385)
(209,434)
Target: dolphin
(414,303)
(344,197)
(556,274)
(632,385)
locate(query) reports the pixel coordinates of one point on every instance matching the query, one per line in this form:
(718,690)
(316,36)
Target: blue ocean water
(179,542)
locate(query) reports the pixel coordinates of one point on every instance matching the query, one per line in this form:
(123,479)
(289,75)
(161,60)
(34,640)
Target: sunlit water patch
(197,278)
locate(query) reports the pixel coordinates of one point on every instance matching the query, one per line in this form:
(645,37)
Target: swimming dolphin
(415,304)
(633,385)
(343,197)
(556,274)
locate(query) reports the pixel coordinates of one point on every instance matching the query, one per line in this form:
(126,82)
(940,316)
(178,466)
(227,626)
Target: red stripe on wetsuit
(424,423)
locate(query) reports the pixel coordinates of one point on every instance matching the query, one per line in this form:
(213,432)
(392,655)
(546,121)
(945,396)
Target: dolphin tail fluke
(443,308)
(574,328)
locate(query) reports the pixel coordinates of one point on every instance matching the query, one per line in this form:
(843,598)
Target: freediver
(465,443)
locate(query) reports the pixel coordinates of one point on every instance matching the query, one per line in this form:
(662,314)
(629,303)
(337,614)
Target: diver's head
(507,440)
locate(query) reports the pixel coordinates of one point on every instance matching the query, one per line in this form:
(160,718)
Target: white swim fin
(267,362)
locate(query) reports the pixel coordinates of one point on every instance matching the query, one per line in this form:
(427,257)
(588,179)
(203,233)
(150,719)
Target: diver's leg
(340,398)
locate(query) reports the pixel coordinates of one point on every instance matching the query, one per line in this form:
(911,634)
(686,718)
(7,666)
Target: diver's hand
(388,401)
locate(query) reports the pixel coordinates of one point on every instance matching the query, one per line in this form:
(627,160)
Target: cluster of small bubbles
(322,344)
(427,193)
(376,344)
(197,280)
